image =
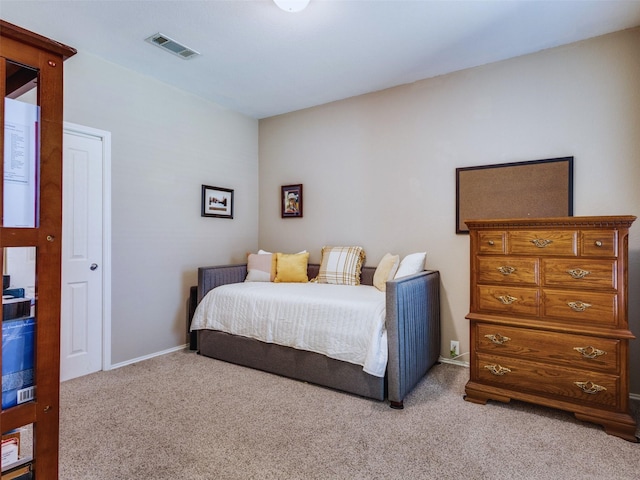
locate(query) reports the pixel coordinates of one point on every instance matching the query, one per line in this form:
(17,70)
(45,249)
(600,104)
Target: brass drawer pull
(491,242)
(541,242)
(589,387)
(598,243)
(589,352)
(506,270)
(578,306)
(497,339)
(507,299)
(578,273)
(498,370)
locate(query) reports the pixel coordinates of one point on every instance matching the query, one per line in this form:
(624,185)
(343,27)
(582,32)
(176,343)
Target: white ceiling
(262,61)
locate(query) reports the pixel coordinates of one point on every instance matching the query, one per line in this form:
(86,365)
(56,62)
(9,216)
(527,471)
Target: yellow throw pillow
(385,271)
(292,267)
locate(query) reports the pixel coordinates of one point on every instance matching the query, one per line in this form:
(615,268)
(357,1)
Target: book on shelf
(10,449)
(23,472)
(18,342)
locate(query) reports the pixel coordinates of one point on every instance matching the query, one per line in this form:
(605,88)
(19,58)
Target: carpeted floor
(184,416)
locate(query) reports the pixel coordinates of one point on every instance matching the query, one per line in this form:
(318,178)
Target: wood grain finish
(548,316)
(596,274)
(28,60)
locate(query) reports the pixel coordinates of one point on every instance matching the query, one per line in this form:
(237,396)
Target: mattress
(343,322)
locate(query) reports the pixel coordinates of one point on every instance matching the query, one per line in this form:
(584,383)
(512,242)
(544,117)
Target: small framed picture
(217,202)
(291,201)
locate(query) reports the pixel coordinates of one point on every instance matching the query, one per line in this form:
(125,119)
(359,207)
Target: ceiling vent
(171,46)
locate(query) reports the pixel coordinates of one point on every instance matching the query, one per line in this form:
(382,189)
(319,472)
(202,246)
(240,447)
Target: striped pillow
(341,265)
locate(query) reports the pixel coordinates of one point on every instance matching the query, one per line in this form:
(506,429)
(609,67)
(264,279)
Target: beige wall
(165,145)
(379,170)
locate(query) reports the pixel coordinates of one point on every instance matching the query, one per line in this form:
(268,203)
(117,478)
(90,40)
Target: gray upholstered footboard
(413,329)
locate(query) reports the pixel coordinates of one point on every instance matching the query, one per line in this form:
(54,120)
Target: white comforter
(342,322)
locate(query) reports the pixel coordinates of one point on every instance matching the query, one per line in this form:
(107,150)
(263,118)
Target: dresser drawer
(543,242)
(577,274)
(508,270)
(577,351)
(600,243)
(585,307)
(579,386)
(491,242)
(508,300)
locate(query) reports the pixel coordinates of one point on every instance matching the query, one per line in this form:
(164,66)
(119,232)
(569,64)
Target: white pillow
(411,264)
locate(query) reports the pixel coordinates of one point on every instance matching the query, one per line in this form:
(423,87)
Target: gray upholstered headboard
(211,277)
(366,276)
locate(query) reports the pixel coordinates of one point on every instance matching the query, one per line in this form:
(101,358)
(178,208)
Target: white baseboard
(453,361)
(147,357)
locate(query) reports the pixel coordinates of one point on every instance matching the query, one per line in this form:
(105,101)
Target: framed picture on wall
(217,202)
(291,201)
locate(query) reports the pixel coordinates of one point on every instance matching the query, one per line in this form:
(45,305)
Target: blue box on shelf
(18,344)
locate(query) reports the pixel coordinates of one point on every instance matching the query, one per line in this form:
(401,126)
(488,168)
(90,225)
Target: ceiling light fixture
(292,5)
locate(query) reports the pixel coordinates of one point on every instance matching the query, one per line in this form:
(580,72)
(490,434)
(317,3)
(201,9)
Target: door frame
(105,265)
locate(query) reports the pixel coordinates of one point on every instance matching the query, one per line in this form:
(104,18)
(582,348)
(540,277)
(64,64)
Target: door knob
(93,266)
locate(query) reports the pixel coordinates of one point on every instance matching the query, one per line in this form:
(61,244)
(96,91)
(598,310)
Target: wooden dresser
(548,316)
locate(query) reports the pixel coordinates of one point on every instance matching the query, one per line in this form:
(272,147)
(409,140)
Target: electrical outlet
(454,350)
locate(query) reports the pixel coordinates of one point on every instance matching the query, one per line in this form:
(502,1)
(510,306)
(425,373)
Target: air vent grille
(171,46)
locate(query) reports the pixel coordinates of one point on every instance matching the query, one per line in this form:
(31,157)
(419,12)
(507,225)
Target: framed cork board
(538,188)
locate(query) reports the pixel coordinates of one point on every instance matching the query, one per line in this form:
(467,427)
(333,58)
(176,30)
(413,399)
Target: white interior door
(83,259)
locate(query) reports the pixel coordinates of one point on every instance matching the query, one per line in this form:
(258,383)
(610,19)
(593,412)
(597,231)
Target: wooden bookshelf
(30,61)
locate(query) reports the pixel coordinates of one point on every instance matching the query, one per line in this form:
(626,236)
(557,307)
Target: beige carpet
(183,416)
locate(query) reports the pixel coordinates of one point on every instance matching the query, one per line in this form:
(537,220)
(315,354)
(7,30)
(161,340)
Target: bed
(412,323)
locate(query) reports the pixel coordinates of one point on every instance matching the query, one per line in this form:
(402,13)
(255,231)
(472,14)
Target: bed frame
(413,331)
